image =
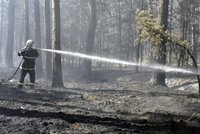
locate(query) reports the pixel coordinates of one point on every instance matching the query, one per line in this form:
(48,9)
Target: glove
(19,54)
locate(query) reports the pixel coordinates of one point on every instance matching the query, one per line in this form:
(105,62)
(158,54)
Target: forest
(104,66)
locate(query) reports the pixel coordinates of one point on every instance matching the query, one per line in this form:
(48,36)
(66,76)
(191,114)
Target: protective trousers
(23,75)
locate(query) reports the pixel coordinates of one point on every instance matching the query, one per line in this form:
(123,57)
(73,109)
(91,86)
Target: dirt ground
(111,102)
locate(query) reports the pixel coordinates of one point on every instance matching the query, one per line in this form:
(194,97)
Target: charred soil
(111,102)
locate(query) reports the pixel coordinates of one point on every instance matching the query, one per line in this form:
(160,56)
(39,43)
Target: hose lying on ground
(14,73)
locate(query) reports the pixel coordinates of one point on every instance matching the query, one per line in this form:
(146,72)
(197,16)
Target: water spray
(116,61)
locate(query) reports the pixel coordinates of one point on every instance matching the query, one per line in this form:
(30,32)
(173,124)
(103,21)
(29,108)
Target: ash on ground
(112,102)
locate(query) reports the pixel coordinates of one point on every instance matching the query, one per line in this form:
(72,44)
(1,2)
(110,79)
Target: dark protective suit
(28,66)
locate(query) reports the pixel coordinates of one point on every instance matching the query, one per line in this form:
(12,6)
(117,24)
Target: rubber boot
(32,85)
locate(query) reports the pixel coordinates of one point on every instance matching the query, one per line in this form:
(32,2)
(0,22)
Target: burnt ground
(111,102)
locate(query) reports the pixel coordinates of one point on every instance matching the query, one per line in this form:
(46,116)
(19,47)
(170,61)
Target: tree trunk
(171,29)
(90,40)
(1,32)
(10,37)
(81,40)
(39,67)
(194,41)
(141,5)
(21,42)
(99,48)
(48,39)
(57,80)
(138,52)
(120,33)
(159,76)
(26,6)
(195,29)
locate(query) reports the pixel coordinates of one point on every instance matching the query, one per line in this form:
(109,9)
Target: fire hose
(14,72)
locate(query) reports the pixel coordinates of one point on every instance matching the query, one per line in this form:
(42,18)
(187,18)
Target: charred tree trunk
(194,42)
(48,65)
(87,64)
(26,6)
(10,37)
(57,80)
(160,57)
(39,67)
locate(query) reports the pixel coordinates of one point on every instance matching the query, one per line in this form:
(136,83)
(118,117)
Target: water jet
(122,62)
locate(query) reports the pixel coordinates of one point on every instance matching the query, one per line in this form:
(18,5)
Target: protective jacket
(29,56)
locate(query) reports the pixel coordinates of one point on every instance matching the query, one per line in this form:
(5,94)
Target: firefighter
(29,55)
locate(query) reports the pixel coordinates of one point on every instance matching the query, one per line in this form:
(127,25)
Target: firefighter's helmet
(29,44)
